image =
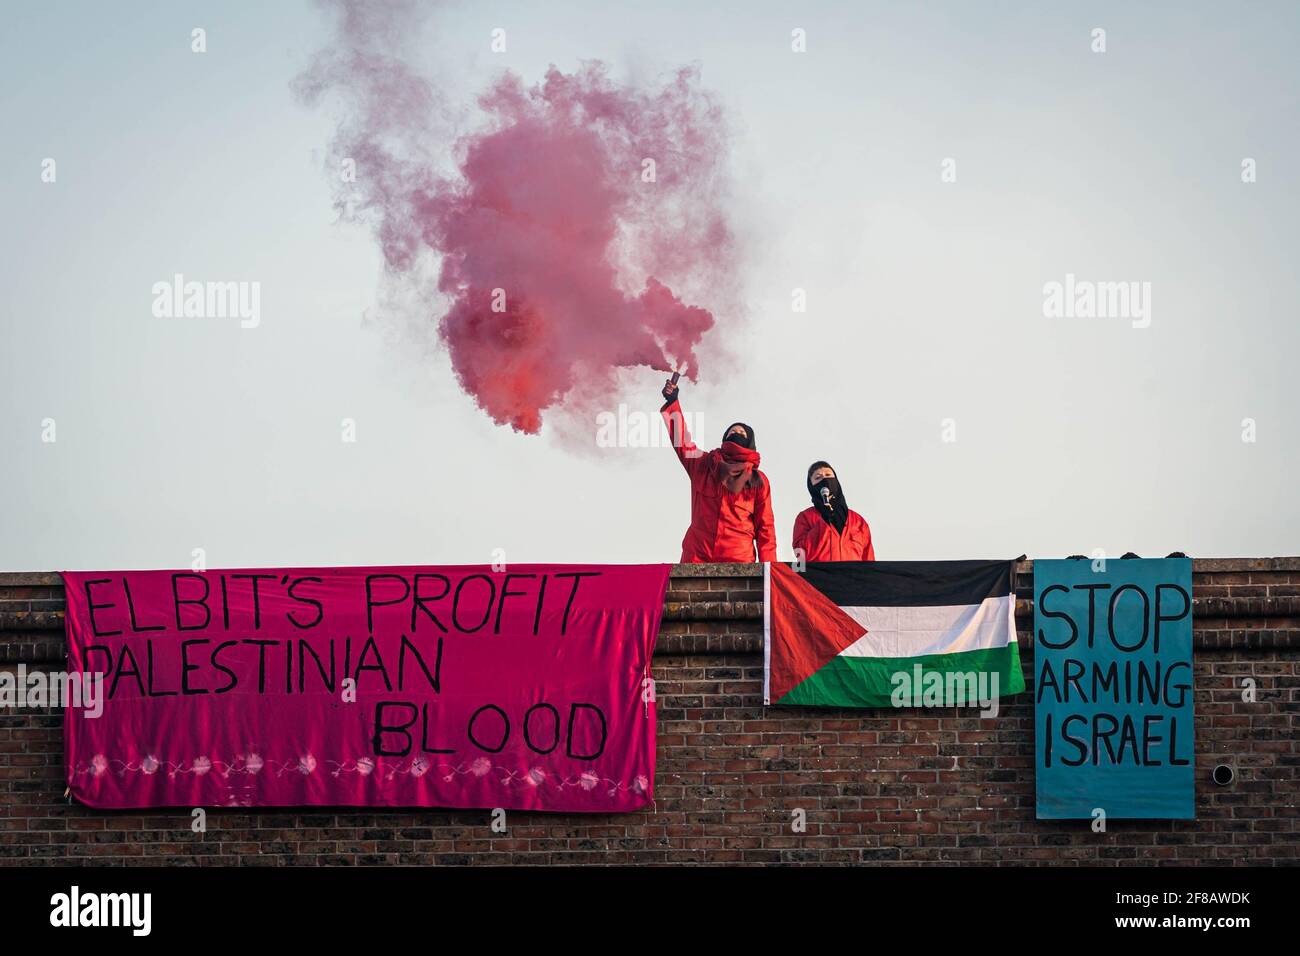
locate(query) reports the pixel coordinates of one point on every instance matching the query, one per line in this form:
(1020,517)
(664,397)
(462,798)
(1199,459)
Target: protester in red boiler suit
(731,500)
(829,531)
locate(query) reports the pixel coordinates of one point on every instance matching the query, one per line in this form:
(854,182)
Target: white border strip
(767,633)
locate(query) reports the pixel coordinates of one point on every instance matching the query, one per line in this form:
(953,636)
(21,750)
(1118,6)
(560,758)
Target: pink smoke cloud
(568,226)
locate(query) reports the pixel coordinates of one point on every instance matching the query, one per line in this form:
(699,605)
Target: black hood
(838,512)
(749,441)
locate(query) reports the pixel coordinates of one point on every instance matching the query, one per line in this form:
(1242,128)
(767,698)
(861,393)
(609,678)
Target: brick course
(883,786)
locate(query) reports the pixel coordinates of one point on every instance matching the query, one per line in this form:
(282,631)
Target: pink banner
(525,688)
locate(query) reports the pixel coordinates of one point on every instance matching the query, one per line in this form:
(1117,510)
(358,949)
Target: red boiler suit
(821,542)
(725,527)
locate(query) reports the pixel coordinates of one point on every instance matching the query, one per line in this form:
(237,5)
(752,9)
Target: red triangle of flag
(805,631)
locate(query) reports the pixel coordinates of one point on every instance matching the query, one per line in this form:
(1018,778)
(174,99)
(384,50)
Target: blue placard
(1113,689)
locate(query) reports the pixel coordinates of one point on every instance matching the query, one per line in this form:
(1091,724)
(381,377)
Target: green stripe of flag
(848,681)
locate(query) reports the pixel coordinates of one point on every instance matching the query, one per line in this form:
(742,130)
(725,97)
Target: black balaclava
(747,442)
(838,512)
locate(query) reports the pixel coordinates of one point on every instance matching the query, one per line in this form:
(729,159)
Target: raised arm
(690,456)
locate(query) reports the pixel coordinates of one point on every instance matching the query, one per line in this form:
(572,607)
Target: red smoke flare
(571,206)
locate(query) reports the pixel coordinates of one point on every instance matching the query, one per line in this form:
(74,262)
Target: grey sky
(925,298)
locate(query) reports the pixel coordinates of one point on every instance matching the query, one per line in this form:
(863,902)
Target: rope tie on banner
(647,685)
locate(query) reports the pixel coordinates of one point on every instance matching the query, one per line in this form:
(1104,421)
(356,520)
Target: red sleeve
(690,456)
(870,553)
(801,534)
(764,526)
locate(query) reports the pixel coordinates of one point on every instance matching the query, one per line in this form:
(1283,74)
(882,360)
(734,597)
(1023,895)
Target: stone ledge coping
(1199,566)
(1226,608)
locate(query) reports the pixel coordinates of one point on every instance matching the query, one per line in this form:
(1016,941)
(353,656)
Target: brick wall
(876,786)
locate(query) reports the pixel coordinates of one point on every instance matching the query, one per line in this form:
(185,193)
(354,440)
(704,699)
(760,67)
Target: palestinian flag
(889,633)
